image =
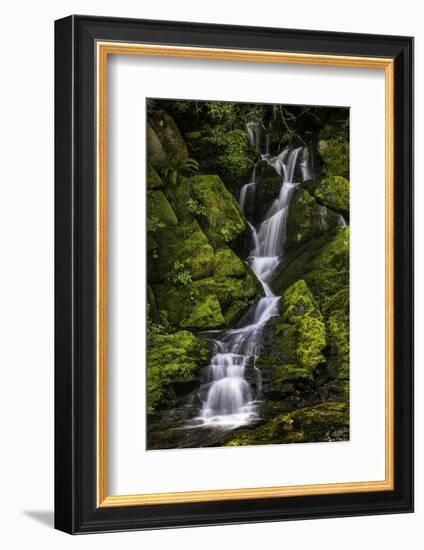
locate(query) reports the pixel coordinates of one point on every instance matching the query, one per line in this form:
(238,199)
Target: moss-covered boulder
(306,219)
(173,364)
(223,219)
(228,264)
(164,140)
(331,191)
(324,422)
(300,308)
(189,307)
(183,254)
(324,265)
(329,271)
(212,302)
(153,179)
(333,148)
(160,209)
(278,361)
(293,344)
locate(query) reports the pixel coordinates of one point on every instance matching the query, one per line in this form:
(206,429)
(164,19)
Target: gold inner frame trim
(103,50)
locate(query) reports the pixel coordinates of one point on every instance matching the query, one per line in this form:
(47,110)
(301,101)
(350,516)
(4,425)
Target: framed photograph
(234,274)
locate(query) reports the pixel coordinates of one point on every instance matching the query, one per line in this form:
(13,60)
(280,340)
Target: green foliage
(172,169)
(154,224)
(195,208)
(221,112)
(333,147)
(234,157)
(182,276)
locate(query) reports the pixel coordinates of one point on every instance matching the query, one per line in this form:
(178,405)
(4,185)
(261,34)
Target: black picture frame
(76,508)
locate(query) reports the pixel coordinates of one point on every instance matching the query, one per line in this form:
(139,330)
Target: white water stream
(229,400)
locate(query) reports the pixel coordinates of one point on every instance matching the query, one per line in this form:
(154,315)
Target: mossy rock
(152,309)
(164,140)
(223,220)
(324,265)
(153,178)
(187,307)
(278,362)
(338,333)
(208,303)
(333,149)
(306,219)
(293,343)
(228,264)
(205,315)
(173,363)
(324,422)
(329,271)
(234,157)
(235,294)
(301,309)
(158,207)
(337,313)
(331,191)
(182,248)
(179,196)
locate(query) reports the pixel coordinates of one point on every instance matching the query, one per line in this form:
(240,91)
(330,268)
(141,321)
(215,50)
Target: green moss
(324,422)
(186,244)
(235,294)
(208,303)
(331,191)
(223,220)
(333,148)
(205,315)
(160,209)
(234,157)
(338,330)
(300,308)
(228,264)
(329,272)
(151,305)
(164,140)
(153,178)
(307,220)
(324,265)
(173,360)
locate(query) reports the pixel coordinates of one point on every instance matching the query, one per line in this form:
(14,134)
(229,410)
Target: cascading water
(228,398)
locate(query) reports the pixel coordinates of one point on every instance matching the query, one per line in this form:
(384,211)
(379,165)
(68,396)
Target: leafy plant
(181,276)
(156,328)
(234,158)
(172,169)
(154,224)
(195,208)
(224,113)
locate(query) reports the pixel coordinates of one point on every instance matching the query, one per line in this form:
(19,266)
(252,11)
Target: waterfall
(228,399)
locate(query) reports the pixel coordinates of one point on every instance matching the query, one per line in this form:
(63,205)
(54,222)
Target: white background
(26,289)
(131,80)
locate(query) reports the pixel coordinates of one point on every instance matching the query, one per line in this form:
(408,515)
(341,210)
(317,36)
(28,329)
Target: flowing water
(228,399)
